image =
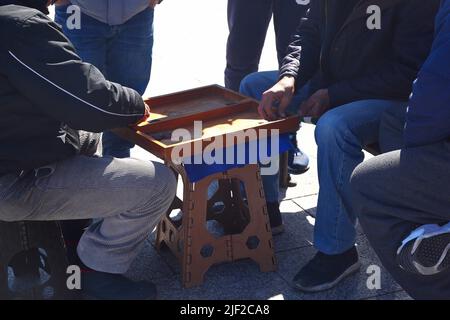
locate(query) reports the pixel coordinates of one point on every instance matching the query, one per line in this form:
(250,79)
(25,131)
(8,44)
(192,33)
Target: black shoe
(27,263)
(276,221)
(291,184)
(426,251)
(107,286)
(324,271)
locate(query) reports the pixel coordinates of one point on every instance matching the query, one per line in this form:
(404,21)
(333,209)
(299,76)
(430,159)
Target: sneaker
(426,251)
(107,286)
(298,162)
(276,221)
(324,271)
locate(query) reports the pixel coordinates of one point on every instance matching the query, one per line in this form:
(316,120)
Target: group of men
(354,77)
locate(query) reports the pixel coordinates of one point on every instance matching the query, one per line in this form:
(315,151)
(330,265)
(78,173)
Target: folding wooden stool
(242,214)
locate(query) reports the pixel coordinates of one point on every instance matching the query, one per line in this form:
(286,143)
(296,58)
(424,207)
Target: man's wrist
(288,81)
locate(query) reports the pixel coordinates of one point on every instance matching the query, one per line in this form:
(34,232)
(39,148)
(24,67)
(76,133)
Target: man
(248,22)
(116,36)
(351,70)
(403,197)
(48,94)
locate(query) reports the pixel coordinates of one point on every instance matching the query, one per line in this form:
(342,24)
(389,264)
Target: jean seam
(340,184)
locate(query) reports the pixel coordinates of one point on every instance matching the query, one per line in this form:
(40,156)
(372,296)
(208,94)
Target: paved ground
(190,38)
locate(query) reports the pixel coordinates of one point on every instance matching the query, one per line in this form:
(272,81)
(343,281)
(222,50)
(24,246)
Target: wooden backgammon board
(243,215)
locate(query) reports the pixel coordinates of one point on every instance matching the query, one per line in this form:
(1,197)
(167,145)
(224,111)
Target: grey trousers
(398,191)
(126,197)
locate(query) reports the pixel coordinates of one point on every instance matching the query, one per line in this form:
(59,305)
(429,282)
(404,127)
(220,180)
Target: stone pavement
(190,41)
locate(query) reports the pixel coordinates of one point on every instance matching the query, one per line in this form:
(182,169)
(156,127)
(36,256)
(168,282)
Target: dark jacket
(428,118)
(356,63)
(47,93)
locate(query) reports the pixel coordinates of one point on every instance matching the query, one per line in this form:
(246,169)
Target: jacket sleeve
(428,117)
(43,66)
(303,54)
(411,44)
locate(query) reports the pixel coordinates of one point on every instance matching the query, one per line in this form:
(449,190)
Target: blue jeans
(123,53)
(254,86)
(340,134)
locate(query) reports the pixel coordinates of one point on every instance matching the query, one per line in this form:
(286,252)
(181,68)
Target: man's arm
(43,66)
(298,67)
(303,54)
(411,43)
(428,119)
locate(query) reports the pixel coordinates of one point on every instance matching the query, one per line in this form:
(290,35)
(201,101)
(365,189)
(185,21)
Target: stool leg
(196,235)
(256,241)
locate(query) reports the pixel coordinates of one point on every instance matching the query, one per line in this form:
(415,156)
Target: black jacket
(356,63)
(47,93)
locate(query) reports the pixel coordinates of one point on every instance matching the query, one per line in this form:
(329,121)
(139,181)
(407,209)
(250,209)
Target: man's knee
(167,179)
(156,191)
(248,84)
(331,128)
(366,183)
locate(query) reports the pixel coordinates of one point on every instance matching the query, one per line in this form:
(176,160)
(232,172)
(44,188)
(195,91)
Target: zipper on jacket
(326,27)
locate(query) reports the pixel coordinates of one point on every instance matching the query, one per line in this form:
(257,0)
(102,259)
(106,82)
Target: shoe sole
(278,230)
(297,173)
(326,286)
(427,256)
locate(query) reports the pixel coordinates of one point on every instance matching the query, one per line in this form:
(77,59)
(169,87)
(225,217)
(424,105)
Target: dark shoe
(27,263)
(426,251)
(276,221)
(291,184)
(324,271)
(107,286)
(298,162)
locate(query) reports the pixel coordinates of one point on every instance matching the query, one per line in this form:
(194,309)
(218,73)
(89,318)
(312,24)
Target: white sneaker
(300,163)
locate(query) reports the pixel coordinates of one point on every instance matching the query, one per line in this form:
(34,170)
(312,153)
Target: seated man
(248,22)
(346,70)
(402,197)
(47,94)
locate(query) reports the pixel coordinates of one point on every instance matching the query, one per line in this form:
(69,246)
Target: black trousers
(397,192)
(248,21)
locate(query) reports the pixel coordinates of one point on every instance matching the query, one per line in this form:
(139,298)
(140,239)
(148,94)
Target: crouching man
(47,96)
(403,196)
(347,74)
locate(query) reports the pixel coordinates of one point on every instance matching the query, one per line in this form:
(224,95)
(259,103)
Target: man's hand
(316,105)
(153,3)
(146,114)
(275,100)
